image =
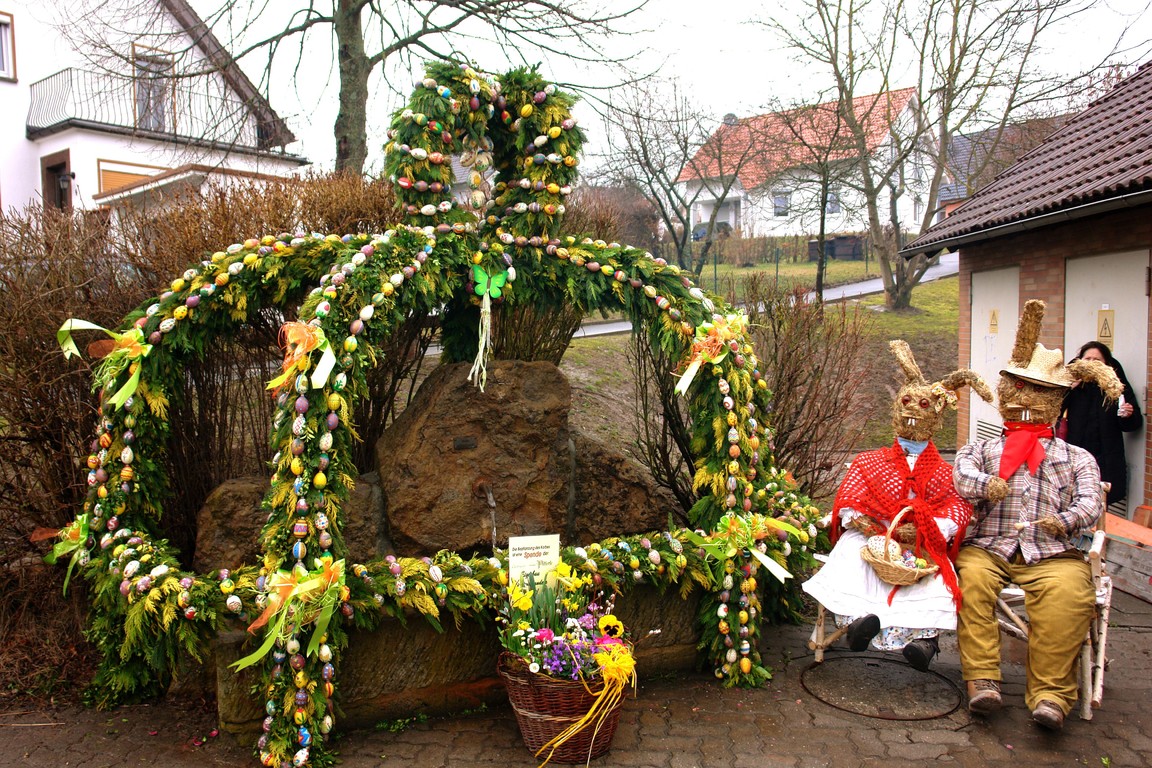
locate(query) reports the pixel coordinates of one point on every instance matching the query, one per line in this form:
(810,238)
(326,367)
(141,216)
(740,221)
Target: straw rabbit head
(1033,384)
(918,410)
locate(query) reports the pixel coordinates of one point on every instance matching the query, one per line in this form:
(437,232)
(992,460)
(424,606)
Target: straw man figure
(1033,493)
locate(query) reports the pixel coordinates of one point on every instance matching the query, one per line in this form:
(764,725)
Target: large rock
(613,495)
(454,444)
(229,524)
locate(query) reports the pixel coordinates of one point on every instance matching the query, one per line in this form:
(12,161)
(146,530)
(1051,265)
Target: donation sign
(532,554)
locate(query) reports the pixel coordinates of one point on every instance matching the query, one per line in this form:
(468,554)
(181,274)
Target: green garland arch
(355,290)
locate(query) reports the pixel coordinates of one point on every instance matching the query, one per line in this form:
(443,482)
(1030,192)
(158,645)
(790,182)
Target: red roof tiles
(779,140)
(1100,155)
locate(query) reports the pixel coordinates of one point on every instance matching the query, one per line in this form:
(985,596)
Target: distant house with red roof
(779,163)
(1070,223)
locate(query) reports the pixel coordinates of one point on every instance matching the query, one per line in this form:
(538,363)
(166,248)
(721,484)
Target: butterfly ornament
(488,287)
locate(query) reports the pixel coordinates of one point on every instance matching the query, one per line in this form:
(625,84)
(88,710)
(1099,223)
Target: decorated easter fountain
(302,598)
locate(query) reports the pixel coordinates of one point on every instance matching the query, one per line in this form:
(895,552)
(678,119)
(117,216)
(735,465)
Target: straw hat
(1046,368)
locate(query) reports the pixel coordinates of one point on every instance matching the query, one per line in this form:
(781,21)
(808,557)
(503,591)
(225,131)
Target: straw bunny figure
(879,484)
(1033,492)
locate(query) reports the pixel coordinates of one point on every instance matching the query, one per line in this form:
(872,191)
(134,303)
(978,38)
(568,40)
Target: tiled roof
(1100,156)
(274,131)
(975,159)
(778,139)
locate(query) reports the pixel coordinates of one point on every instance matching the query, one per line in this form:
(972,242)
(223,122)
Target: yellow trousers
(1060,601)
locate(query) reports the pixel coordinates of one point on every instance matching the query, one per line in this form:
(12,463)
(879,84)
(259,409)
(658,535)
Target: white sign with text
(532,554)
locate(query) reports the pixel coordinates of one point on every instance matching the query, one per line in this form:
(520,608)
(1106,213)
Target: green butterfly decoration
(486,284)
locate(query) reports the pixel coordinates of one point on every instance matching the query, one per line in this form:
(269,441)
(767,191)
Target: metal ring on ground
(880,687)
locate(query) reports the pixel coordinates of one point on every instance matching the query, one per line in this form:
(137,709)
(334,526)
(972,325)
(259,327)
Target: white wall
(41,51)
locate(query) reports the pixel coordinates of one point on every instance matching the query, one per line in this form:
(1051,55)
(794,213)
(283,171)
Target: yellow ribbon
(321,588)
(299,339)
(617,669)
(72,539)
(711,345)
(129,347)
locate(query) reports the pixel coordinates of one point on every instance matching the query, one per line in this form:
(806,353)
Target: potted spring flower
(566,663)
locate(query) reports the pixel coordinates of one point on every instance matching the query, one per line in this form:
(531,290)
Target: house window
(781,202)
(153,70)
(833,203)
(7,48)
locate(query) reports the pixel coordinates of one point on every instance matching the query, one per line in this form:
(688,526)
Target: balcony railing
(163,108)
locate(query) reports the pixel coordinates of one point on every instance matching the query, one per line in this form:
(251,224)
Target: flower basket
(546,706)
(893,571)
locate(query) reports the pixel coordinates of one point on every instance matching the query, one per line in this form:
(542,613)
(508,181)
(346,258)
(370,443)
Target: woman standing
(1097,427)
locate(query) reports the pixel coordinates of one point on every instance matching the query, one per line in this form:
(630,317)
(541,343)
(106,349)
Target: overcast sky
(724,60)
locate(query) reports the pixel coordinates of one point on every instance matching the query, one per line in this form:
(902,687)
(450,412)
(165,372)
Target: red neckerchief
(1022,444)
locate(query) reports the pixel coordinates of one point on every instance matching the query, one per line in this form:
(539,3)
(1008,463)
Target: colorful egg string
(303,596)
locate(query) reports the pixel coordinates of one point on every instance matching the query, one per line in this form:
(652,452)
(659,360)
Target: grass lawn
(931,328)
(716,277)
(603,400)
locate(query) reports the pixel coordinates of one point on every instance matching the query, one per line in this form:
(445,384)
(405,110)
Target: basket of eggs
(894,564)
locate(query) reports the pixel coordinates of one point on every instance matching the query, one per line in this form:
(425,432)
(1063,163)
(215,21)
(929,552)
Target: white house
(167,108)
(780,163)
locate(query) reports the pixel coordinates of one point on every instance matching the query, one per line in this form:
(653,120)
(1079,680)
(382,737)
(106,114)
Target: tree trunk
(351,127)
(822,240)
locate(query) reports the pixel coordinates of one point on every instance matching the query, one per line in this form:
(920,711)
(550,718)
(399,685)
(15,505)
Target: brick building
(1069,223)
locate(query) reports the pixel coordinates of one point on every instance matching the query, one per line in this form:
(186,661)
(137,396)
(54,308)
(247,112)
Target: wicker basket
(545,706)
(892,571)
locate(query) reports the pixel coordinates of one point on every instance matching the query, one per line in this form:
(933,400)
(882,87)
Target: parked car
(720,231)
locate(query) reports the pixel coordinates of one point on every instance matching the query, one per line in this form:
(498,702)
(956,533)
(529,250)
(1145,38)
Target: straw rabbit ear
(907,363)
(1027,333)
(1100,374)
(957,379)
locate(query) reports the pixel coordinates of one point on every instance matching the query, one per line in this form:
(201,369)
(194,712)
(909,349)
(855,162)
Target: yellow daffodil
(519,598)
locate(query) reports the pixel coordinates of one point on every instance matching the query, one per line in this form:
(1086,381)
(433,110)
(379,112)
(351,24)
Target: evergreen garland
(353,291)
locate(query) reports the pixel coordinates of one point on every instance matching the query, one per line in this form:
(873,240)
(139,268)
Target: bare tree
(677,156)
(365,35)
(972,64)
(819,154)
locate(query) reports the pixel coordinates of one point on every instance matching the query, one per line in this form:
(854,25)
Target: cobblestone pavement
(683,722)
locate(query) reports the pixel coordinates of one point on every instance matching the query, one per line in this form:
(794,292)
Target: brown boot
(1049,715)
(983,696)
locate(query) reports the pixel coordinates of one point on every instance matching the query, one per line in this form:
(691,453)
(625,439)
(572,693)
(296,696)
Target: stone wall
(399,671)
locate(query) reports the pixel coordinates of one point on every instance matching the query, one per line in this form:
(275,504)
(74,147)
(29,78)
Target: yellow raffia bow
(299,339)
(711,345)
(129,347)
(72,538)
(735,533)
(317,592)
(617,669)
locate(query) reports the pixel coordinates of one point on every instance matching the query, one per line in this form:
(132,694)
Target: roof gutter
(1130,200)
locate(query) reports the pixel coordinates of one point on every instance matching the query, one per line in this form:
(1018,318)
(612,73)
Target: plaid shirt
(1066,486)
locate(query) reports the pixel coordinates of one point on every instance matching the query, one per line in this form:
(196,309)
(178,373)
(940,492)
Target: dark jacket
(1094,426)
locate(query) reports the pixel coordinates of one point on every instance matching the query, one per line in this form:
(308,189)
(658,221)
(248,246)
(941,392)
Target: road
(949,265)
